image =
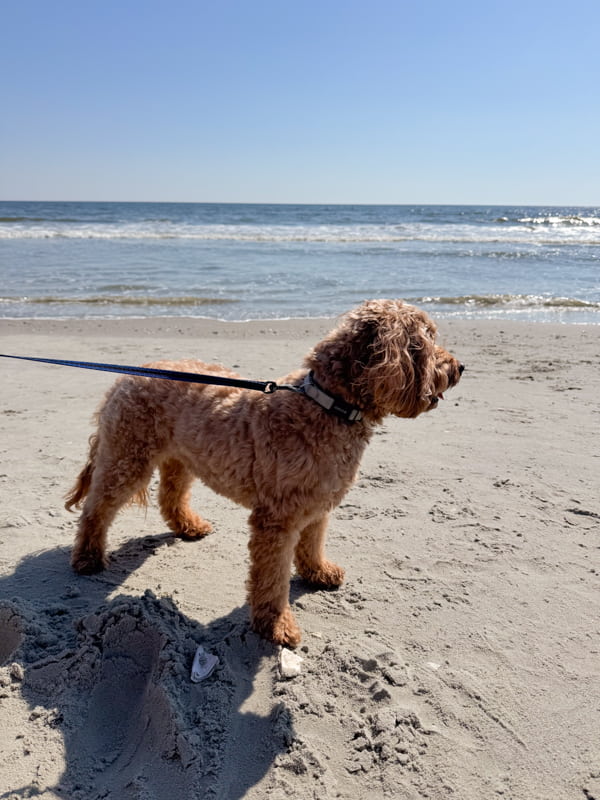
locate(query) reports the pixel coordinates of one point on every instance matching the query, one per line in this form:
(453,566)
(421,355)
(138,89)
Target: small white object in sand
(289,663)
(204,664)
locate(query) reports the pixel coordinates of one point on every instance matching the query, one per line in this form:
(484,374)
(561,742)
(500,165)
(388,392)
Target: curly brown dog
(285,456)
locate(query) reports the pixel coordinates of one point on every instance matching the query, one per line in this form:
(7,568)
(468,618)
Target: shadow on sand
(113,676)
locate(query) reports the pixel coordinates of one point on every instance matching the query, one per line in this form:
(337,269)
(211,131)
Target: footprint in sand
(10,633)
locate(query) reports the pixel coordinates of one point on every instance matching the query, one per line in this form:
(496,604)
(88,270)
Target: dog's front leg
(271,546)
(310,557)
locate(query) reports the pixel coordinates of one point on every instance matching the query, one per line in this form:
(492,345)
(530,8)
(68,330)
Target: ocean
(245,261)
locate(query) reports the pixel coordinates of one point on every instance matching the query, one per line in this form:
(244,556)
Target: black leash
(332,404)
(267,387)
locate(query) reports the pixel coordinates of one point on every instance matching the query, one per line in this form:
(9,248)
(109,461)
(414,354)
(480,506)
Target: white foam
(534,230)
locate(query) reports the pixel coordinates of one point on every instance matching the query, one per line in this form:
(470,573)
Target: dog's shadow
(113,676)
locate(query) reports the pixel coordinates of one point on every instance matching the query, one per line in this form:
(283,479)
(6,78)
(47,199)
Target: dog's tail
(82,486)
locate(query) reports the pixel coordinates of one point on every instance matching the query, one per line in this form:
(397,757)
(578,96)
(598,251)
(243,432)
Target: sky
(313,101)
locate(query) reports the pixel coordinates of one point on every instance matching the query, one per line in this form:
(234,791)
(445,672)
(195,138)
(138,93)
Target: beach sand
(460,659)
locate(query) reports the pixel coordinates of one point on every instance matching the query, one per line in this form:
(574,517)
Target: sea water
(245,261)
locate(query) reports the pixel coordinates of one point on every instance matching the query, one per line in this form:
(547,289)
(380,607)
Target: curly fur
(281,455)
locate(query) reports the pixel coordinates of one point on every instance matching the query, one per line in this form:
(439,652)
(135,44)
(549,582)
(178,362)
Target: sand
(461,659)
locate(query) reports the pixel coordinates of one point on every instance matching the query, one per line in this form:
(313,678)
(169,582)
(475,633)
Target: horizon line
(310,203)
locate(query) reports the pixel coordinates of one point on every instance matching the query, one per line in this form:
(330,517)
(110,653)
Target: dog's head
(383,359)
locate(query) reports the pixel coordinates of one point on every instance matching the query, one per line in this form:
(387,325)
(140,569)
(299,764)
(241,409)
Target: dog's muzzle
(435,399)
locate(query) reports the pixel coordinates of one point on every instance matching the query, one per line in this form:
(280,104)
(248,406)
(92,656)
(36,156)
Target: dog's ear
(380,358)
(401,369)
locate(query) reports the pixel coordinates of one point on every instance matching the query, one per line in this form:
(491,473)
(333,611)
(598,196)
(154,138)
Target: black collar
(332,404)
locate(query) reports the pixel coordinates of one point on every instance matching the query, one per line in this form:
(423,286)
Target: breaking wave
(506,300)
(120,300)
(527,230)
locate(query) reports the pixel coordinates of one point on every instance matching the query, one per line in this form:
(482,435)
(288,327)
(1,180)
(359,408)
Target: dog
(289,457)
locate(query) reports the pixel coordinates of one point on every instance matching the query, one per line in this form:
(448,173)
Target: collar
(332,404)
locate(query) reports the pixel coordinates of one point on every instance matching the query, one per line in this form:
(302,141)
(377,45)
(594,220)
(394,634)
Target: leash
(309,387)
(267,387)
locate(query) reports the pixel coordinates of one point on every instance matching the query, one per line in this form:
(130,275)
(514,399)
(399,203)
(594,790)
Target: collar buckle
(332,404)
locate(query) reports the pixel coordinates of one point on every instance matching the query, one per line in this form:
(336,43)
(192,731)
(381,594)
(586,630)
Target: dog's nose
(461,369)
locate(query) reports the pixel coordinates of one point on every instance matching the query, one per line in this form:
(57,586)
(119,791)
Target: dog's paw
(196,528)
(326,576)
(286,631)
(88,562)
(281,629)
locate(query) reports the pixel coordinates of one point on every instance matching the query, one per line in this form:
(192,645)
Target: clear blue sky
(377,101)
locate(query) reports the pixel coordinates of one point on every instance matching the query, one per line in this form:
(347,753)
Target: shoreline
(204,325)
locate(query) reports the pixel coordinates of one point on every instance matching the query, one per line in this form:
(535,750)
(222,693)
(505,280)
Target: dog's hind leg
(271,548)
(174,501)
(310,557)
(114,482)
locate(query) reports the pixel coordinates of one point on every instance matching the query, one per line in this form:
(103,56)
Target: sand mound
(134,725)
